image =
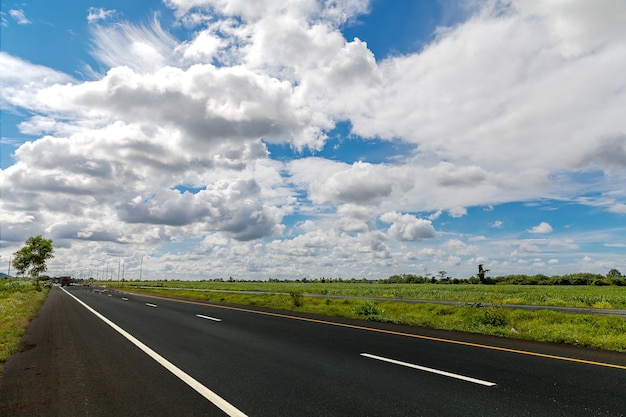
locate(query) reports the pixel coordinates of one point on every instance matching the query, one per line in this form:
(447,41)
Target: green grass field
(20,300)
(594,331)
(541,295)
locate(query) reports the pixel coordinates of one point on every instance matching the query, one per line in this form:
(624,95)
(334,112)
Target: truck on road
(66,281)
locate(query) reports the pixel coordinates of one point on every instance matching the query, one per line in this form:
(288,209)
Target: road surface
(110,354)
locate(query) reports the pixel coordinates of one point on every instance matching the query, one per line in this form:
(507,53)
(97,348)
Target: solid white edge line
(207,317)
(221,403)
(151,305)
(434,371)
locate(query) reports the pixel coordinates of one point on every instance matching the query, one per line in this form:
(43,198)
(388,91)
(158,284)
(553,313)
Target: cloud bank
(168,150)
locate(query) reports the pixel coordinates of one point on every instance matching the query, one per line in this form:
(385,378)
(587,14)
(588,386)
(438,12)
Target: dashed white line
(221,403)
(124,298)
(207,317)
(151,305)
(434,371)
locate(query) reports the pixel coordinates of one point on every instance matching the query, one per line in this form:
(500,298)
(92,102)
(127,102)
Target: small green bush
(296,298)
(366,309)
(493,317)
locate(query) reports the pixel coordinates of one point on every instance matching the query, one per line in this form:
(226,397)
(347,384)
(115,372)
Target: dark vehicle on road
(66,281)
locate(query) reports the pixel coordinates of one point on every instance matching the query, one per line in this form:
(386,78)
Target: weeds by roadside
(549,295)
(20,300)
(296,298)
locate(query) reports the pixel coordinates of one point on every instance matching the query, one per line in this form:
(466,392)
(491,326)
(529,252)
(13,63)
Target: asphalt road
(217,360)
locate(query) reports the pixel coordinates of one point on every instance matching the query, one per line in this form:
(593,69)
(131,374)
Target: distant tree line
(614,277)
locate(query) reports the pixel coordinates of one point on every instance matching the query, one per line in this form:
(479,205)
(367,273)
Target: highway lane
(273,365)
(75,365)
(277,366)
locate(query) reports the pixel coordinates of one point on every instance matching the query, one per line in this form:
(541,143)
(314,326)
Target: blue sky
(303,138)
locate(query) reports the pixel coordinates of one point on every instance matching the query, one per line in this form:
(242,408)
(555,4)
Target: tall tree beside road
(31,259)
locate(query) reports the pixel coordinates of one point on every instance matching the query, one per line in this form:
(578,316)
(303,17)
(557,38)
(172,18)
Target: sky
(290,139)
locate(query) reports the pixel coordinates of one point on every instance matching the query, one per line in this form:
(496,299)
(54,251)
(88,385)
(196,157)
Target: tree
(481,274)
(31,259)
(614,273)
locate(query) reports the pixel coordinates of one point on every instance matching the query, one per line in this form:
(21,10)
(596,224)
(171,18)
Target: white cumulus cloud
(173,141)
(408,227)
(542,227)
(19,16)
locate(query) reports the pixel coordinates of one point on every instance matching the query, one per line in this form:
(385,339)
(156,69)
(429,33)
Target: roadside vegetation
(593,296)
(20,299)
(481,310)
(31,260)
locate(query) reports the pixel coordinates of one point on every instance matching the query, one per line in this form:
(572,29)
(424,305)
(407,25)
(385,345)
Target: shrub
(493,317)
(296,298)
(366,309)
(619,281)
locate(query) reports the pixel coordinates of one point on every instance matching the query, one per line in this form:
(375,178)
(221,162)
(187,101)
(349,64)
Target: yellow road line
(395,333)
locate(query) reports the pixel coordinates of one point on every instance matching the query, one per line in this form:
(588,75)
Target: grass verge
(593,331)
(20,300)
(539,295)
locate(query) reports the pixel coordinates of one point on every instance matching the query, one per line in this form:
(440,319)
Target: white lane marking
(434,371)
(207,317)
(221,403)
(124,298)
(151,305)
